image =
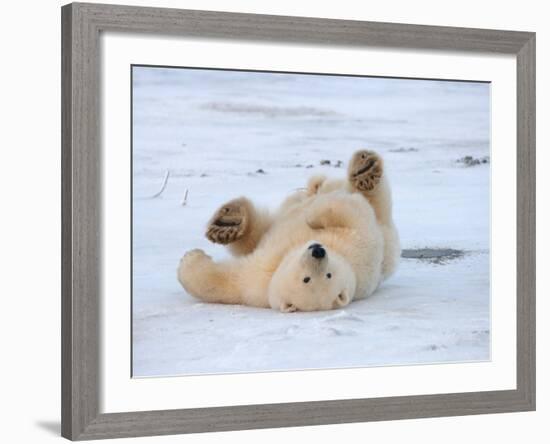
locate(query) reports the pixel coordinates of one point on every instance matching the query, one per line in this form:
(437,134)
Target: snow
(213,130)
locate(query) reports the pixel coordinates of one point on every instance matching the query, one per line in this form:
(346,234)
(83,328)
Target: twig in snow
(164,182)
(184,201)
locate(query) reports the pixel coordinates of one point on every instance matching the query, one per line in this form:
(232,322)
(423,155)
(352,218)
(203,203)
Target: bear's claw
(228,223)
(365,170)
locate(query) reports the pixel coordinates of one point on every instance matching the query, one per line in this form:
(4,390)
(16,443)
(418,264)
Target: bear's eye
(329,275)
(307,279)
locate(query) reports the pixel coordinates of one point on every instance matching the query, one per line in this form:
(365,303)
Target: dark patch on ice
(339,332)
(438,256)
(434,347)
(268,111)
(404,150)
(470,161)
(258,171)
(480,332)
(322,162)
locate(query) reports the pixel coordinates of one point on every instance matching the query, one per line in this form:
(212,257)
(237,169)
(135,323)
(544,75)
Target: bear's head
(310,278)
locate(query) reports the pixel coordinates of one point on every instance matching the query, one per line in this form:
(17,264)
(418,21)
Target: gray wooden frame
(81,235)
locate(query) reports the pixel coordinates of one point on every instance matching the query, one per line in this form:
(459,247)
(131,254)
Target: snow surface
(213,130)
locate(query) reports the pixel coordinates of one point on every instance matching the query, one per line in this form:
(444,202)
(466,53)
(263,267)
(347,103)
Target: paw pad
(228,223)
(365,170)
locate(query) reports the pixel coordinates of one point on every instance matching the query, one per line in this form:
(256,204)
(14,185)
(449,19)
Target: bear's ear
(287,307)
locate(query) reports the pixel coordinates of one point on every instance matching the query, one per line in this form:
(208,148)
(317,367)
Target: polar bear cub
(327,245)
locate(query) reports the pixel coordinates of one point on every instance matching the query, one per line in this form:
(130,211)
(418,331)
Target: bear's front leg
(205,279)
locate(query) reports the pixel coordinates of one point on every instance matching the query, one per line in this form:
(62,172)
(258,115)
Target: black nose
(318,252)
(314,246)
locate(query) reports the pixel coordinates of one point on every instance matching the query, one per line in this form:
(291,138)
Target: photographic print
(293,221)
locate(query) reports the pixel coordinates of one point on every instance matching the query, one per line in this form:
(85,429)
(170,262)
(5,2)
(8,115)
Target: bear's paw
(365,170)
(229,222)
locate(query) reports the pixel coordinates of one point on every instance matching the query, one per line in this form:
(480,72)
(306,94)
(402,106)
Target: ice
(214,130)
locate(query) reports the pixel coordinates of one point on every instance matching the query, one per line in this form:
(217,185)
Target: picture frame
(81,232)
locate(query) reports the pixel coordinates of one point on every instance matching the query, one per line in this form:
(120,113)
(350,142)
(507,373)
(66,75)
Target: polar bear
(327,245)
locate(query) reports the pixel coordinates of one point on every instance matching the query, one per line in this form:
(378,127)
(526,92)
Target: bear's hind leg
(239,225)
(366,175)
